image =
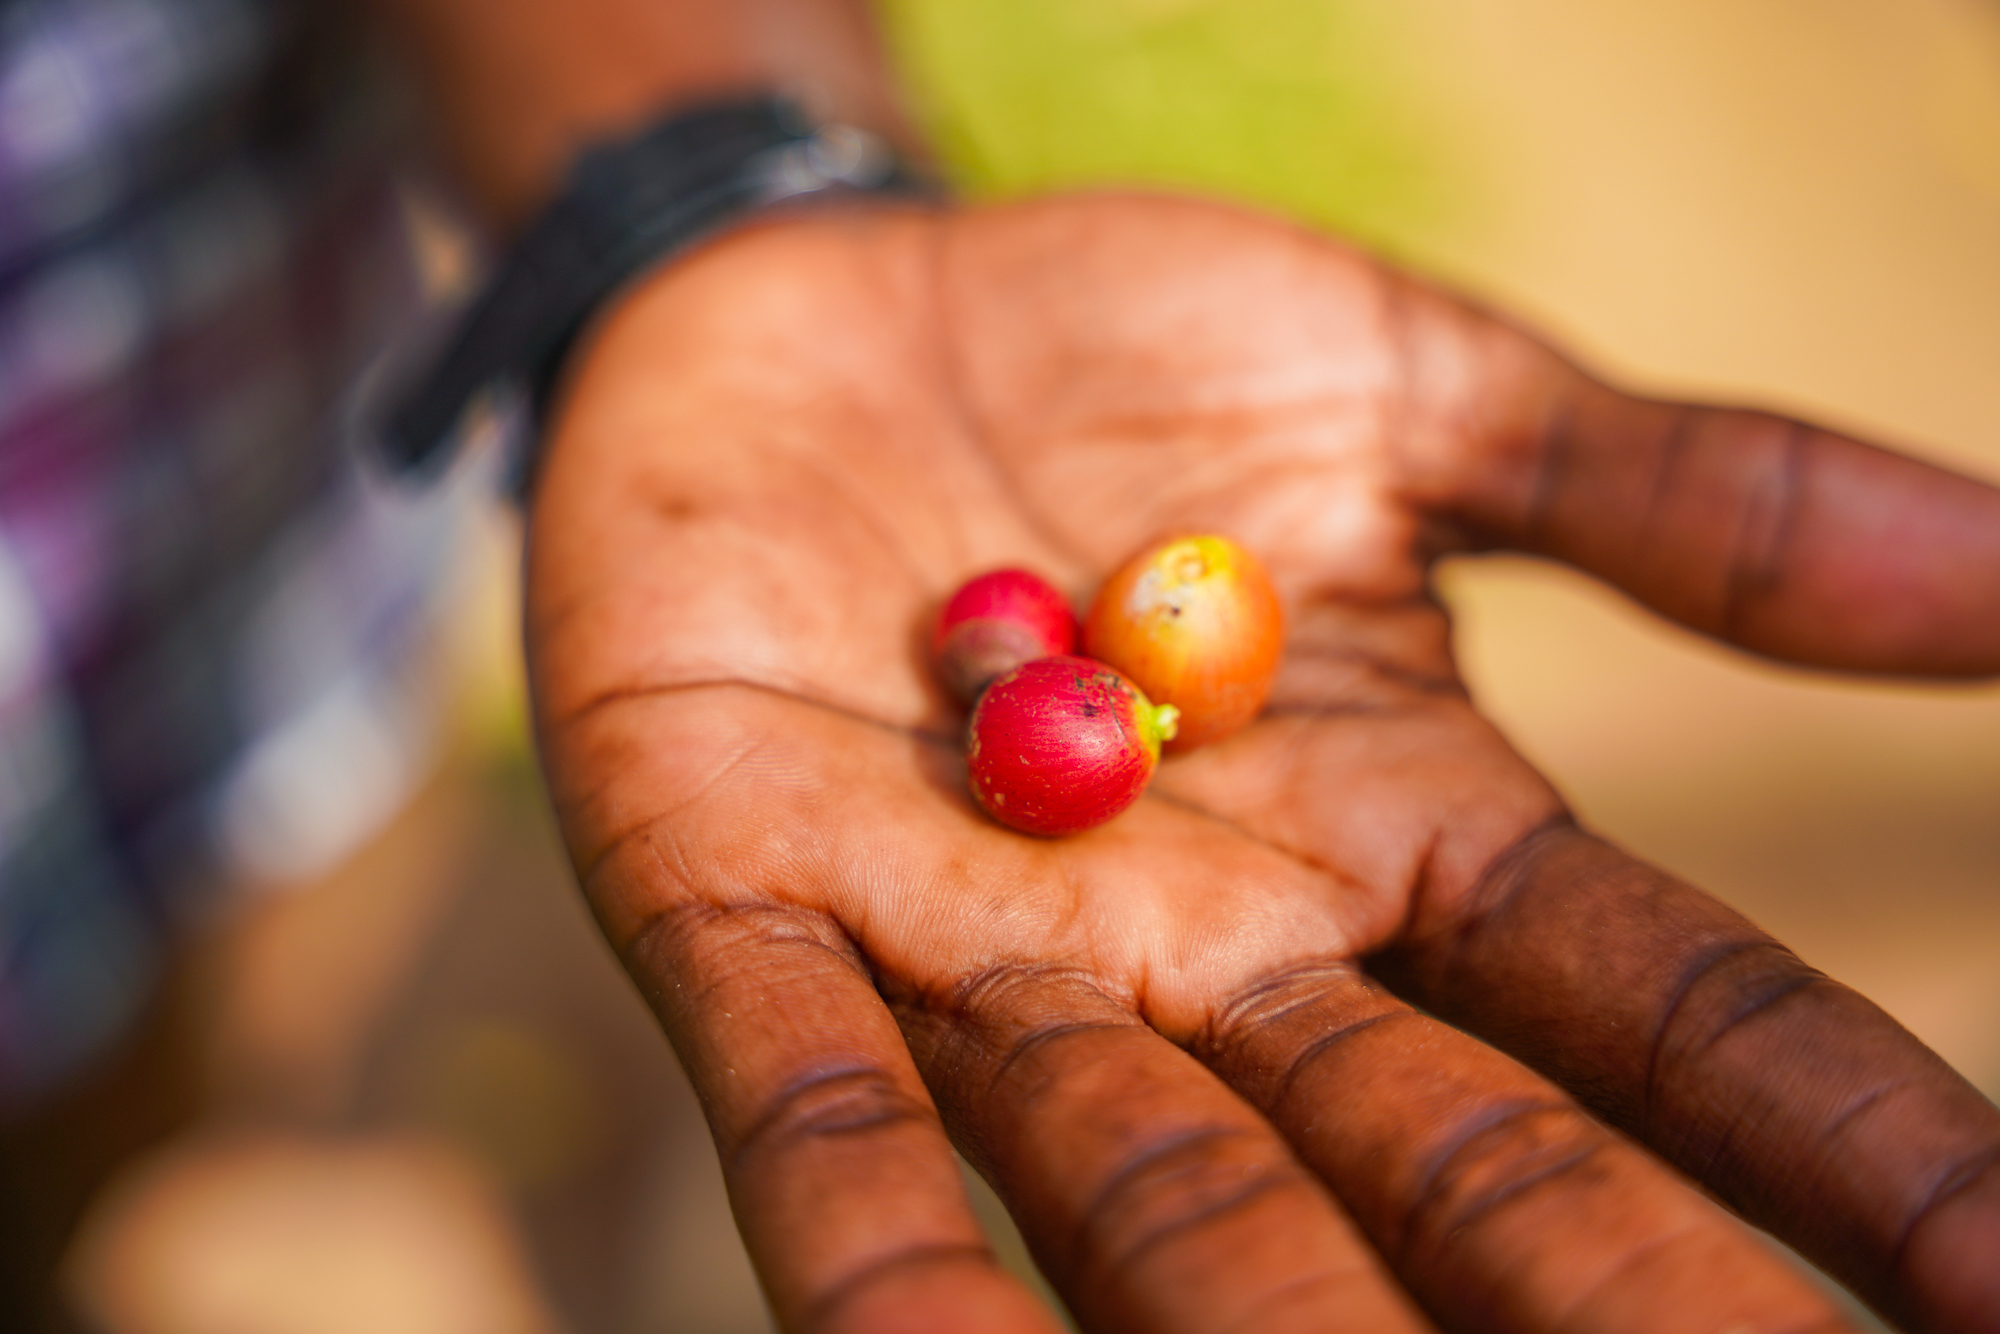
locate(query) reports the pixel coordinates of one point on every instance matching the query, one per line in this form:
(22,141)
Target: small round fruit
(1061,744)
(1195,623)
(993,624)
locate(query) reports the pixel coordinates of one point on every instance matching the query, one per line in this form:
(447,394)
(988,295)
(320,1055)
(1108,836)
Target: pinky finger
(842,1181)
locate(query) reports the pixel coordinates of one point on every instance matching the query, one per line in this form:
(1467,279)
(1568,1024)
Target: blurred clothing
(214,623)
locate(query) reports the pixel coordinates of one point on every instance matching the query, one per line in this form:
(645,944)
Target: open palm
(1175,1044)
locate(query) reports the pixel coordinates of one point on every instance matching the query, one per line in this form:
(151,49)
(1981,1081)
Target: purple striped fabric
(216,627)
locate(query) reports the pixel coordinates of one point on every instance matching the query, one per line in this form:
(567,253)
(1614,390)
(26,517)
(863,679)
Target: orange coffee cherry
(1195,623)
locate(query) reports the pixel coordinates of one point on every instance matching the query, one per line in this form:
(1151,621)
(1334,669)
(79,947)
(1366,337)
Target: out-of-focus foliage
(1304,106)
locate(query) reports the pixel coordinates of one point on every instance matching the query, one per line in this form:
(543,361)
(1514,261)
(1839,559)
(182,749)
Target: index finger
(1774,534)
(1802,1105)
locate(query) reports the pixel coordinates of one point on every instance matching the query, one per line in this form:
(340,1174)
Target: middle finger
(1500,1202)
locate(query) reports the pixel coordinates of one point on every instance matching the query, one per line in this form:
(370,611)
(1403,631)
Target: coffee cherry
(1195,623)
(1061,744)
(993,624)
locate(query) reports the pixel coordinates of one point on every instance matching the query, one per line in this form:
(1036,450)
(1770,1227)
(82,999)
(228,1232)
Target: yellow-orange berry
(1195,623)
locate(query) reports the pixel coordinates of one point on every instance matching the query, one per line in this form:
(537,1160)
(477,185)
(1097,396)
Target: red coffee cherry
(1061,744)
(1195,623)
(995,623)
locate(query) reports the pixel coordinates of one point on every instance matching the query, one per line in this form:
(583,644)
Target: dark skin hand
(1182,1046)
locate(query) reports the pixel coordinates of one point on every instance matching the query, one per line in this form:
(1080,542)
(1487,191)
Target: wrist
(518,89)
(626,206)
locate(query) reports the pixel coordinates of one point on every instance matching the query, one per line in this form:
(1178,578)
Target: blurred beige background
(428,1102)
(1794,204)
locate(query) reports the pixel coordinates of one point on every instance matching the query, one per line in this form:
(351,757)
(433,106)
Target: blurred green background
(1311,109)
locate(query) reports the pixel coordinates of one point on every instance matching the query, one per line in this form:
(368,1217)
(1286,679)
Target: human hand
(1167,1042)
